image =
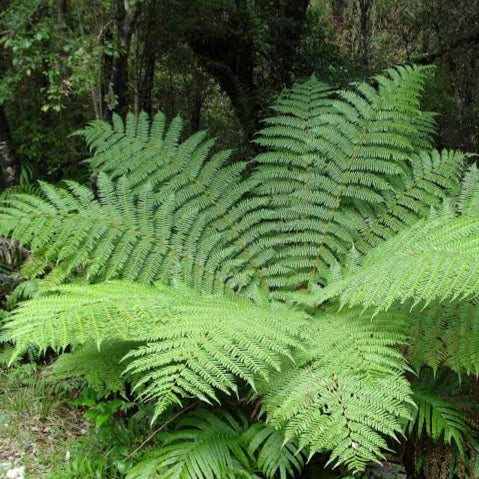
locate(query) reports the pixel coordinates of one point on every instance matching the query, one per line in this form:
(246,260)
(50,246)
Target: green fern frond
(467,202)
(329,152)
(347,391)
(101,368)
(445,335)
(269,452)
(135,148)
(434,260)
(203,446)
(119,236)
(213,227)
(433,175)
(217,445)
(70,231)
(196,344)
(436,414)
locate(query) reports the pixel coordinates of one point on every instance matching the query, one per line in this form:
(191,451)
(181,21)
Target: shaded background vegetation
(217,63)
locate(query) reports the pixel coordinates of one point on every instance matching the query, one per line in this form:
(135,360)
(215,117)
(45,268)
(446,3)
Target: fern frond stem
(159,429)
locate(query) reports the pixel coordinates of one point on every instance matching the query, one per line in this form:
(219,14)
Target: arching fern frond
(196,344)
(347,391)
(328,153)
(118,235)
(203,446)
(434,260)
(206,232)
(135,148)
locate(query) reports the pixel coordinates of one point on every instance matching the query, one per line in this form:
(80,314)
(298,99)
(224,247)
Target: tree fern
(351,167)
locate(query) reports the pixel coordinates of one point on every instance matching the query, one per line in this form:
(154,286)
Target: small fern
(437,415)
(204,446)
(102,368)
(217,445)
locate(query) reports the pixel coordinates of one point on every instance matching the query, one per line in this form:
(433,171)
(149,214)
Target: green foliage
(271,454)
(446,335)
(105,237)
(138,149)
(203,446)
(433,174)
(331,157)
(437,414)
(102,368)
(218,445)
(435,259)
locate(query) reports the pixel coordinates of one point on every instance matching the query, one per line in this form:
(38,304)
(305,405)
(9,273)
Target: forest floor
(37,425)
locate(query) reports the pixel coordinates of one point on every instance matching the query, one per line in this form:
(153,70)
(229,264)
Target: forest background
(217,63)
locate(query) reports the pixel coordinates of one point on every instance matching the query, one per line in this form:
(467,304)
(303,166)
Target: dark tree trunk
(62,13)
(197,105)
(365,9)
(118,86)
(286,23)
(338,13)
(8,163)
(229,58)
(229,53)
(149,41)
(147,82)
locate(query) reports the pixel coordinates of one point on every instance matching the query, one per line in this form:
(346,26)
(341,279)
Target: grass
(38,426)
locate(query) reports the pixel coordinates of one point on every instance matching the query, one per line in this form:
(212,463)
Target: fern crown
(207,275)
